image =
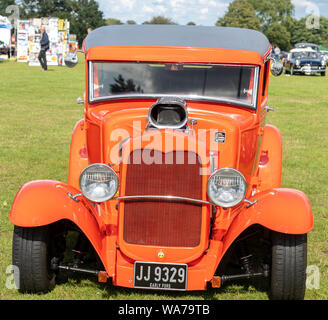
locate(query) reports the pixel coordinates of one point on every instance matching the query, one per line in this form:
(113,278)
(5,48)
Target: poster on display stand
(52,31)
(34,37)
(63,31)
(72,43)
(22,40)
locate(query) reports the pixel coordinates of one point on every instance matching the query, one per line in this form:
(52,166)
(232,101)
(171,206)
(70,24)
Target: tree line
(275,18)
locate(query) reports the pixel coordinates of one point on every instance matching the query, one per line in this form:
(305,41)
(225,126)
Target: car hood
(230,134)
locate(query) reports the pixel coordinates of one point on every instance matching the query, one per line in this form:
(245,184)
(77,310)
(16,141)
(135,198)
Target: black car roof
(181,36)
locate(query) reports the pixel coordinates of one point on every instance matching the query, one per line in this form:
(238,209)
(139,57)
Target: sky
(202,12)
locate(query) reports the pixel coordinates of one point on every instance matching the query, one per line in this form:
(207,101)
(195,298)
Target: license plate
(163,276)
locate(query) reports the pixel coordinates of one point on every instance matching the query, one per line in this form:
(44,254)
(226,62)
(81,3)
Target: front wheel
(32,254)
(288,272)
(323,74)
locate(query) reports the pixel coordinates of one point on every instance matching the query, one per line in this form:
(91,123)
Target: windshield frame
(231,101)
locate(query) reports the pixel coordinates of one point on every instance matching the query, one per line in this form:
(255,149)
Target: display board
(59,40)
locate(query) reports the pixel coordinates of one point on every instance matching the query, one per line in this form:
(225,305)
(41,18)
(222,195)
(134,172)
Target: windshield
(306,55)
(231,84)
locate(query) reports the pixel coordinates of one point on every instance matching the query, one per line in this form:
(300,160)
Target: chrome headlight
(226,187)
(98,182)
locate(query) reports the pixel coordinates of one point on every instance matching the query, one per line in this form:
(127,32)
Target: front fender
(280,209)
(44,202)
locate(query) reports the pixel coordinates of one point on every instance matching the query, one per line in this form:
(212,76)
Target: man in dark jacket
(44,47)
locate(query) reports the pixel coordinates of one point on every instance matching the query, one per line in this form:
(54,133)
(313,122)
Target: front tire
(31,254)
(289,261)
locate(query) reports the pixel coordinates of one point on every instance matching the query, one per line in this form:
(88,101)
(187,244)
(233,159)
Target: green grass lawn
(38,111)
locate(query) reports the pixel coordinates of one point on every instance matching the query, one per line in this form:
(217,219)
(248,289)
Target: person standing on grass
(44,47)
(277,53)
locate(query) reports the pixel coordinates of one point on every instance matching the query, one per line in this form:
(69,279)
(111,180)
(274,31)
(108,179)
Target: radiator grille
(161,222)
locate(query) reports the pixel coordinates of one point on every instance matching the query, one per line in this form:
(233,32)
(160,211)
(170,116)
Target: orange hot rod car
(174,178)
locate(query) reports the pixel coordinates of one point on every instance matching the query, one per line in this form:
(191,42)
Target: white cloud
(205,12)
(148,9)
(160,9)
(307,7)
(176,3)
(116,8)
(129,4)
(301,3)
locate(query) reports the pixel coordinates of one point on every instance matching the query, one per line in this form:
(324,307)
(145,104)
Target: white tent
(5,35)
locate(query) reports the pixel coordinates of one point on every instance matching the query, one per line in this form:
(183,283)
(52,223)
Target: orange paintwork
(250,147)
(78,158)
(270,159)
(173,54)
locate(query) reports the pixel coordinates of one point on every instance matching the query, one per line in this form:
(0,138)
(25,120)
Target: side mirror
(79,100)
(71,59)
(277,68)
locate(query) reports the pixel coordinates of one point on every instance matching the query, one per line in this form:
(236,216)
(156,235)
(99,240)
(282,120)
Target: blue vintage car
(305,61)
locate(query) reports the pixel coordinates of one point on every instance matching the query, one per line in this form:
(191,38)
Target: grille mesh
(161,222)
